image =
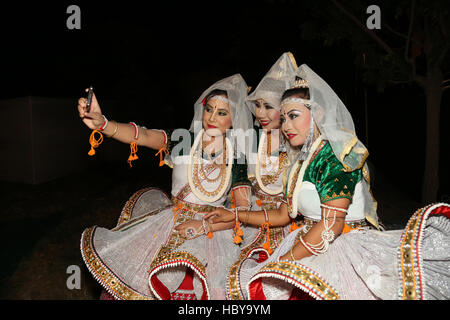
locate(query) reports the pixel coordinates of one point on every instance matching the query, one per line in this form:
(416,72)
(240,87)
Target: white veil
(333,120)
(336,125)
(270,89)
(236,89)
(274,83)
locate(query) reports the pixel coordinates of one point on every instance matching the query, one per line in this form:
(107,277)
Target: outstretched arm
(277,218)
(123,132)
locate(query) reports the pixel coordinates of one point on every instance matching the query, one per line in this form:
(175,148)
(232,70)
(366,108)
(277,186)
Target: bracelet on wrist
(292,253)
(136,130)
(104,125)
(115,130)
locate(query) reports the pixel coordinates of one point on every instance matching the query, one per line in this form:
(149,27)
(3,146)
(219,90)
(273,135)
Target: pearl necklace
(203,171)
(272,178)
(195,183)
(296,178)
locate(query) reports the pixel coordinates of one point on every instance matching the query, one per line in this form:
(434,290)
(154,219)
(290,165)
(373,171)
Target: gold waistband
(191,206)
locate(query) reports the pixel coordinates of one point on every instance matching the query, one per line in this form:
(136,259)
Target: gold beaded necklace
(263,158)
(196,171)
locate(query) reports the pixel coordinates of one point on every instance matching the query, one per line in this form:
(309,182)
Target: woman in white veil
(335,254)
(267,163)
(162,248)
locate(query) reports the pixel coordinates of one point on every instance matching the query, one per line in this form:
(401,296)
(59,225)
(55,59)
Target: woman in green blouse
(336,252)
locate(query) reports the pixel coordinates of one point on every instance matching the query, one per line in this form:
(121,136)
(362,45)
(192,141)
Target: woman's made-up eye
(208,109)
(222,113)
(294,114)
(268,106)
(282,119)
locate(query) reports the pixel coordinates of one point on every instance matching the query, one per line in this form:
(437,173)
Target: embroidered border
(300,276)
(409,254)
(127,210)
(276,236)
(233,290)
(175,239)
(174,259)
(126,225)
(112,284)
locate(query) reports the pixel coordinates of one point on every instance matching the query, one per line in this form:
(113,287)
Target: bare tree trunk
(433,93)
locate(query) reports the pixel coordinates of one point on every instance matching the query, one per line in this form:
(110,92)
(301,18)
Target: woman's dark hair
(215,92)
(296,92)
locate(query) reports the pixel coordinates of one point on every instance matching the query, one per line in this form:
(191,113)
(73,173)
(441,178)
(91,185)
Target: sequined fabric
(362,264)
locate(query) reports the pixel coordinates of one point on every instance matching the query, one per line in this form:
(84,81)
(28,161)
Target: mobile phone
(89,99)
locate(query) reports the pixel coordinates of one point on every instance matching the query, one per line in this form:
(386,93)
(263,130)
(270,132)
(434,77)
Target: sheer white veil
(333,120)
(270,89)
(336,125)
(274,83)
(236,89)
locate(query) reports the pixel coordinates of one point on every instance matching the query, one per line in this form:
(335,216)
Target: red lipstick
(291,135)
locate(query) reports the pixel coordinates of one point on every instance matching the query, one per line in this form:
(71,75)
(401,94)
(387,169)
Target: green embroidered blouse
(327,173)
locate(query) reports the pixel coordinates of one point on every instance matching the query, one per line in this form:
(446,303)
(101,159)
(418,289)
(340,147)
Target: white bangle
(333,208)
(266,215)
(136,130)
(307,247)
(104,125)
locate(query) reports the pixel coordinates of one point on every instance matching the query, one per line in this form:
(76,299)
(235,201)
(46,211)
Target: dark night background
(148,64)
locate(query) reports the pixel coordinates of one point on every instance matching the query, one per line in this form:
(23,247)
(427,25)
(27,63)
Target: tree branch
(401,35)
(364,28)
(408,39)
(412,60)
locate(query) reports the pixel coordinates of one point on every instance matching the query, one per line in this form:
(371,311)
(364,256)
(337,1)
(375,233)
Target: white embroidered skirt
(413,263)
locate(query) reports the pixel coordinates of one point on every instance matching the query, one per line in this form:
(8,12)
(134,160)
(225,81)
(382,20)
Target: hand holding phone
(89,99)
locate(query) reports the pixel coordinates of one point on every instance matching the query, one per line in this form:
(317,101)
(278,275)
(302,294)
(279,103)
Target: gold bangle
(246,218)
(292,254)
(115,130)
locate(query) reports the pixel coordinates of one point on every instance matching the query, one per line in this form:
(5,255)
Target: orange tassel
(160,152)
(238,233)
(210,234)
(293,227)
(232,200)
(259,203)
(94,142)
(177,209)
(346,229)
(133,156)
(266,245)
